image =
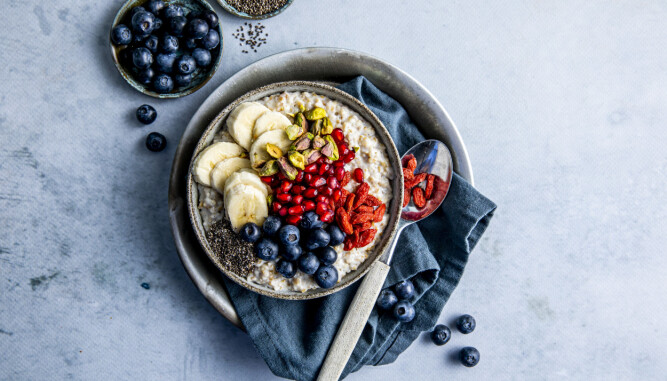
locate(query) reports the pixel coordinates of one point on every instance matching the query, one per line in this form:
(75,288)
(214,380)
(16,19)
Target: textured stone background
(562,105)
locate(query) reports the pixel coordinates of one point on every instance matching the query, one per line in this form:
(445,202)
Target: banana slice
(241,122)
(224,169)
(212,155)
(248,177)
(269,121)
(258,153)
(245,203)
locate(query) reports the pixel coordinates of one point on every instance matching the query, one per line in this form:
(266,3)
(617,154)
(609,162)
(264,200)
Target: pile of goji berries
(413,184)
(357,214)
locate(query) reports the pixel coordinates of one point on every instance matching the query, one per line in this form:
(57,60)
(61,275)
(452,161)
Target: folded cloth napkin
(293,336)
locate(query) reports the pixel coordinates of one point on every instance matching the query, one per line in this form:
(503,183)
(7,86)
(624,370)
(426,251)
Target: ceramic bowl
(225,5)
(200,76)
(394,207)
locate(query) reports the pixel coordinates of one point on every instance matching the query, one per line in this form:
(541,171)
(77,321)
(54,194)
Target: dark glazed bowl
(393,208)
(200,77)
(235,12)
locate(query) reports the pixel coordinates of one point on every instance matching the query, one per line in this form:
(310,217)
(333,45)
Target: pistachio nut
(269,168)
(330,150)
(297,159)
(287,169)
(315,114)
(327,126)
(274,151)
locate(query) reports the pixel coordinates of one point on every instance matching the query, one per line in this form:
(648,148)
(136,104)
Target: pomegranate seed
(327,161)
(307,178)
(320,160)
(285,186)
(297,189)
(339,173)
(349,157)
(342,149)
(323,169)
(325,190)
(339,163)
(328,216)
(331,170)
(321,208)
(293,220)
(284,197)
(282,212)
(337,195)
(358,175)
(267,179)
(333,183)
(321,198)
(297,200)
(281,176)
(308,205)
(317,181)
(338,135)
(295,210)
(311,168)
(299,177)
(276,207)
(310,193)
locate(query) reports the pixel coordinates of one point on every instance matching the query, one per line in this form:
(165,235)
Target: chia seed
(256,7)
(232,252)
(255,38)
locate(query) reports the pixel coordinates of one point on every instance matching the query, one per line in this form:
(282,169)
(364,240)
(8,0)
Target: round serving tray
(330,65)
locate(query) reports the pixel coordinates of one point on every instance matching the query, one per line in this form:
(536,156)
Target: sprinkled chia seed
(254,39)
(235,254)
(257,7)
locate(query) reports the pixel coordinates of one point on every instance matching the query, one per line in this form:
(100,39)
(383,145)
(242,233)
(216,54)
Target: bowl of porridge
(295,189)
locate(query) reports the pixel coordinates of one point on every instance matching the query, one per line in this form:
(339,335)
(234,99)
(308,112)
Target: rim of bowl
(247,16)
(122,12)
(394,208)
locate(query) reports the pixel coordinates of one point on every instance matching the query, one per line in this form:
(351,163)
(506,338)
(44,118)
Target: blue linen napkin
(293,336)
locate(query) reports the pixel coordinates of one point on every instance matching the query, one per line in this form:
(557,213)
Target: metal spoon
(432,157)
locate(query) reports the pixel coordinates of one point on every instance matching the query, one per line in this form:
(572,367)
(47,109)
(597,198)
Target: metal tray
(329,65)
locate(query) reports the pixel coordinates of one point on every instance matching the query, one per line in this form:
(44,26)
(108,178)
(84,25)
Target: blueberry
(138,37)
(386,300)
(173,11)
(327,255)
(286,268)
(289,235)
(169,43)
(145,76)
(146,114)
(157,25)
(405,290)
(211,18)
(404,311)
(182,80)
(310,220)
(163,83)
(271,225)
(190,43)
(308,263)
(326,276)
(250,232)
(316,239)
(441,334)
(465,324)
(156,142)
(203,58)
(155,6)
(266,249)
(469,356)
(143,23)
(185,64)
(177,25)
(136,10)
(164,62)
(337,235)
(211,40)
(291,252)
(197,28)
(121,35)
(151,43)
(142,58)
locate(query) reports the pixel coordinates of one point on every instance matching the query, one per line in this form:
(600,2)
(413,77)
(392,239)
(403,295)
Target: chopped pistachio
(294,131)
(327,127)
(316,127)
(311,155)
(319,142)
(287,169)
(302,144)
(274,151)
(315,114)
(355,148)
(270,168)
(297,159)
(301,121)
(330,150)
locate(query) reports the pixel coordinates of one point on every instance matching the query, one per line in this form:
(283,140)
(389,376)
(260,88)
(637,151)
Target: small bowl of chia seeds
(255,9)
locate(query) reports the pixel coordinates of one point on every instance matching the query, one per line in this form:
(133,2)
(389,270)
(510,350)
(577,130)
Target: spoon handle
(354,322)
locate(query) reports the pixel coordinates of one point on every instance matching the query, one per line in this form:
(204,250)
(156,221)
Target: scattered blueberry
(143,23)
(177,25)
(405,290)
(316,239)
(197,28)
(172,11)
(469,356)
(308,263)
(291,252)
(146,286)
(156,142)
(190,43)
(327,255)
(266,249)
(185,64)
(146,114)
(386,300)
(121,35)
(169,43)
(404,311)
(211,18)
(337,235)
(155,6)
(441,334)
(164,62)
(203,58)
(142,58)
(326,276)
(289,235)
(163,83)
(250,232)
(309,220)
(182,80)
(145,76)
(286,268)
(271,225)
(151,43)
(465,324)
(211,40)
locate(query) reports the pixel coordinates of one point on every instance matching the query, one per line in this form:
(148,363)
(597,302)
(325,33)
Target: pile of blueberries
(398,301)
(164,45)
(308,248)
(441,334)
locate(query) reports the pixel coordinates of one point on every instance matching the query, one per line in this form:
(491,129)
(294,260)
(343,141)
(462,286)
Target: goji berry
(428,192)
(408,174)
(343,220)
(414,182)
(418,196)
(364,226)
(346,179)
(361,218)
(406,197)
(411,163)
(366,237)
(361,193)
(379,213)
(349,202)
(349,243)
(364,209)
(372,200)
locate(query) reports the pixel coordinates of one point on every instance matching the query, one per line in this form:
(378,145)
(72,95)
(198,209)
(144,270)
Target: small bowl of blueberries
(166,48)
